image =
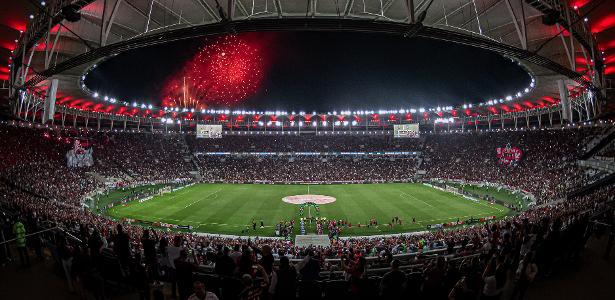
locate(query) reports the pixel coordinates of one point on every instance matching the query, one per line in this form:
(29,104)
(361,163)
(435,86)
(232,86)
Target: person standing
(184,273)
(20,236)
(392,283)
(284,280)
(122,247)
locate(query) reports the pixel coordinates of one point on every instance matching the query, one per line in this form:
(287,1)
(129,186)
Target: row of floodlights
(347,112)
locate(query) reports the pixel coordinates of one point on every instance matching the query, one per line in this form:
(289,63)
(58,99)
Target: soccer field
(230,208)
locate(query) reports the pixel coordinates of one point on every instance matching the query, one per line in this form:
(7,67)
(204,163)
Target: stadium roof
(514,29)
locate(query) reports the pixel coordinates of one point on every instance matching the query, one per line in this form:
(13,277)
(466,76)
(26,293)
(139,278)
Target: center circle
(302,199)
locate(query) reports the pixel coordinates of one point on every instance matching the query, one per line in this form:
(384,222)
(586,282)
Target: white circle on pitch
(302,199)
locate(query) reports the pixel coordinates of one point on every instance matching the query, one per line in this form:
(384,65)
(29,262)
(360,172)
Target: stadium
(305,149)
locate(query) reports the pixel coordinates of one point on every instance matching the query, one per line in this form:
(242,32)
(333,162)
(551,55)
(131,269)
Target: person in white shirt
(200,293)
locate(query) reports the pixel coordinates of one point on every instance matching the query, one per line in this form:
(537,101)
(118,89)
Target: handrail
(45,230)
(34,233)
(70,235)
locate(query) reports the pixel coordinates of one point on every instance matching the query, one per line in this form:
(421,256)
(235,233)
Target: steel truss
(405,18)
(541,117)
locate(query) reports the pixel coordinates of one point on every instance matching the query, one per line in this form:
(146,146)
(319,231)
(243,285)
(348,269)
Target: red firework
(225,71)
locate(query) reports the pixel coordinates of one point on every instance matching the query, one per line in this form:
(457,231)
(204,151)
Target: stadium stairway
(190,157)
(97,176)
(605,181)
(598,143)
(21,188)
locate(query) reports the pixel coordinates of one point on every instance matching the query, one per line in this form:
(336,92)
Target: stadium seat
(309,290)
(336,289)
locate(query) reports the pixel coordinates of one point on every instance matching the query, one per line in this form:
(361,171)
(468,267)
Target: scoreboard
(208,131)
(406,130)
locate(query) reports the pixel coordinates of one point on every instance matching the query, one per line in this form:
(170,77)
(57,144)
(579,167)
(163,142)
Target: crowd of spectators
(144,156)
(303,143)
(547,168)
(487,259)
(307,169)
(495,260)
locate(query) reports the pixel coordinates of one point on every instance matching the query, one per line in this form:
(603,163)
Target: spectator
(266,259)
(184,274)
(122,246)
(19,230)
(225,266)
(201,293)
(283,280)
(392,283)
(309,268)
(526,272)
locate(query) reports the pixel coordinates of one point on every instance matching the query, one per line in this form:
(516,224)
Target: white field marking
(405,195)
(233,225)
(308,189)
(479,201)
(179,194)
(199,200)
(474,216)
(490,206)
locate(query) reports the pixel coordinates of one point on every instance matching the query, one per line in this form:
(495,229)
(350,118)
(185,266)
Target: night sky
(325,71)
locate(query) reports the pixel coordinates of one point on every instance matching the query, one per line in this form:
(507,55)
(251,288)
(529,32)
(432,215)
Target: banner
(508,155)
(79,156)
(406,130)
(208,131)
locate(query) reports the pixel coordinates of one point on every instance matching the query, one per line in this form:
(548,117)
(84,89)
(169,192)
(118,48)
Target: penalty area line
(199,200)
(406,195)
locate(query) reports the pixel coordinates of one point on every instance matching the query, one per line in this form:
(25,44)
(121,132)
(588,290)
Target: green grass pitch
(230,208)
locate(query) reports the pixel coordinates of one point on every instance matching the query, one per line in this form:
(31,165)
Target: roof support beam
(519,27)
(106,25)
(445,16)
(278,7)
(230,13)
(410,10)
(142,13)
(178,15)
(569,52)
(49,52)
(348,7)
(208,9)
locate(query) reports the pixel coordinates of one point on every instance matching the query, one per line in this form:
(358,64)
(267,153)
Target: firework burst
(225,71)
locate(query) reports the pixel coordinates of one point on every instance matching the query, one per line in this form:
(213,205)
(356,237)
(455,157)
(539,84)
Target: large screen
(406,130)
(208,131)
